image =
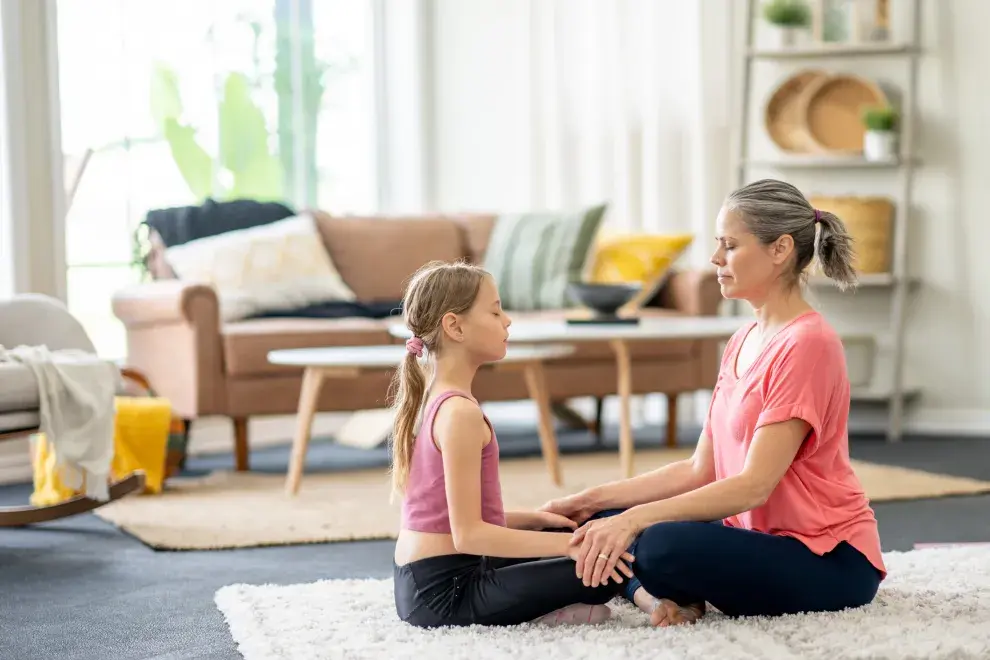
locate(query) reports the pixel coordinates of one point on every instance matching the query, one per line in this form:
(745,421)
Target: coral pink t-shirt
(800,373)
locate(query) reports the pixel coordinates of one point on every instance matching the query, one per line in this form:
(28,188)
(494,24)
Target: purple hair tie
(818,216)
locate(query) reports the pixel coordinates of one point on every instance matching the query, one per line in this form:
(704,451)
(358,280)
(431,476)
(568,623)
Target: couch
(206,366)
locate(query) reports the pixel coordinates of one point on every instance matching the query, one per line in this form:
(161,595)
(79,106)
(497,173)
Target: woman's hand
(576,507)
(575,553)
(602,544)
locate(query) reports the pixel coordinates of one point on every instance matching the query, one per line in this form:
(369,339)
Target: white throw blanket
(76,391)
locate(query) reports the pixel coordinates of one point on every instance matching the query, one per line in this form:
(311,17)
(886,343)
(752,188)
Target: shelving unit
(888,389)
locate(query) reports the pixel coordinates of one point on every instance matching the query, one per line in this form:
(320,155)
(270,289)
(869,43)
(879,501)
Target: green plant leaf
(166,101)
(879,118)
(260,180)
(243,131)
(787,13)
(194,163)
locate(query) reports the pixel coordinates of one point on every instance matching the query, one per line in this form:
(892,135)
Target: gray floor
(78,588)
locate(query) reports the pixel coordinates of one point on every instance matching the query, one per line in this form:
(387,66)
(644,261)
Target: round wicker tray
(833,111)
(783,114)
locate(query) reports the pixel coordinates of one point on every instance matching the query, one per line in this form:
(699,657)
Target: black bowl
(606,299)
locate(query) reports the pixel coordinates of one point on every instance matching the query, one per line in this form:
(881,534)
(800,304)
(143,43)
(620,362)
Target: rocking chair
(32,319)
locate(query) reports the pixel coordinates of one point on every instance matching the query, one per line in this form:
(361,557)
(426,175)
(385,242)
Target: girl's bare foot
(668,613)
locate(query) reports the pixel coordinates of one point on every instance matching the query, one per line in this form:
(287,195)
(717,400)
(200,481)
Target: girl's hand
(548,520)
(602,544)
(575,507)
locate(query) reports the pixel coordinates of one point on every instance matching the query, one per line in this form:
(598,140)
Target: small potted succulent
(789,18)
(880,141)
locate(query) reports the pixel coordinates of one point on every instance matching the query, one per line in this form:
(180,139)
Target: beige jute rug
(240,510)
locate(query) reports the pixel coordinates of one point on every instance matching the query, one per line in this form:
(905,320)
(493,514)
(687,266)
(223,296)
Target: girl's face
(485,325)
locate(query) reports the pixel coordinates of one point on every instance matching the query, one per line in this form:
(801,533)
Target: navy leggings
(745,573)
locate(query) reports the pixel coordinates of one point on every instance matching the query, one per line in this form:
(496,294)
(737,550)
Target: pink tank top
(424,508)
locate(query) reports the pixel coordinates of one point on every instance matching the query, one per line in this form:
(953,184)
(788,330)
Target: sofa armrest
(693,292)
(166,301)
(173,337)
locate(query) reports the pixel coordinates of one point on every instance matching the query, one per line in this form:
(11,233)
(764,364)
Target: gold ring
(602,555)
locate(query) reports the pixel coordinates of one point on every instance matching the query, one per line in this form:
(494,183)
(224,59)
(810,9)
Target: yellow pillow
(642,258)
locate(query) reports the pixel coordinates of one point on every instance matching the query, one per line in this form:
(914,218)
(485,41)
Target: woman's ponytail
(834,250)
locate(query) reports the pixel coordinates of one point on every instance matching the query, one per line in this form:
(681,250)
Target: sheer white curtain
(629,105)
(6,258)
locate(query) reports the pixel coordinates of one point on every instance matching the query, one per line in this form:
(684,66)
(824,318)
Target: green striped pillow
(534,256)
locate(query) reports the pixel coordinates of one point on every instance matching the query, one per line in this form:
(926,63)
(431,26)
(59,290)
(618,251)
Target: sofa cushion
(535,256)
(246,344)
(18,388)
(477,230)
(278,266)
(19,421)
(376,255)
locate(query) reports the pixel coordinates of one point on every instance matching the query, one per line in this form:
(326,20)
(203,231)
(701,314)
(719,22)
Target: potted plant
(788,17)
(880,141)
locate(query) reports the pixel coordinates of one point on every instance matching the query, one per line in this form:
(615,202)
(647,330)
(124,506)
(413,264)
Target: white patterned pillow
(280,266)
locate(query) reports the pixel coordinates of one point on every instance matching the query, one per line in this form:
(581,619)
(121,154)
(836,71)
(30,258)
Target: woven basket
(869,221)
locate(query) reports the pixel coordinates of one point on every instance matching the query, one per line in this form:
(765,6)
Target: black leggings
(742,572)
(461,590)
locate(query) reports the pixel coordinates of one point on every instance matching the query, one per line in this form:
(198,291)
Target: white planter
(880,145)
(785,37)
(860,357)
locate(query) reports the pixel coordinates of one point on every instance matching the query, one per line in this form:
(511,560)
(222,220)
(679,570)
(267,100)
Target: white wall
(484,133)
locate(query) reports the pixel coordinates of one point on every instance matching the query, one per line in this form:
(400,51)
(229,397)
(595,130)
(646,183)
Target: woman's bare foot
(668,613)
(664,612)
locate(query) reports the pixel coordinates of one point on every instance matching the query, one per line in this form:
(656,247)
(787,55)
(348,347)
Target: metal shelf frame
(894,394)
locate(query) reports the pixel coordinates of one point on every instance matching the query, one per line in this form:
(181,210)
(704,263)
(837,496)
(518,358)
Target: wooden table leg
(308,397)
(624,368)
(537,386)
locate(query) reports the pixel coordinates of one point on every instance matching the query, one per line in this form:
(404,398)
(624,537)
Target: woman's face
(747,269)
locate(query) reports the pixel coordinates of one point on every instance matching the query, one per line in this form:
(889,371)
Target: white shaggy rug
(934,604)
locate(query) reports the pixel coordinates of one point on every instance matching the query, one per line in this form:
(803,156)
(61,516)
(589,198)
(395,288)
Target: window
(167,103)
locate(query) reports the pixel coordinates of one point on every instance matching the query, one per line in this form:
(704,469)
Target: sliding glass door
(170,102)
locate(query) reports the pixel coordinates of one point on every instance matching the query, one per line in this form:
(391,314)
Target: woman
(767,517)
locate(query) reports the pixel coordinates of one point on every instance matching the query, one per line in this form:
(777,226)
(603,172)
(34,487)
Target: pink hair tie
(415,346)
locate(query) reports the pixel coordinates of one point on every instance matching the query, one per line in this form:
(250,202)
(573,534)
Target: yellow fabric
(141,432)
(642,258)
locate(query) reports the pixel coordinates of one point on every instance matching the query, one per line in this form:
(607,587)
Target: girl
(460,559)
(794,531)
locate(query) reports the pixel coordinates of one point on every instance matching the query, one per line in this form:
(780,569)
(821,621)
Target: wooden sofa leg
(241,444)
(672,420)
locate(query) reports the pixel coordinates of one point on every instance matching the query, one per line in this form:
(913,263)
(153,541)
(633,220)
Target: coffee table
(618,336)
(347,362)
